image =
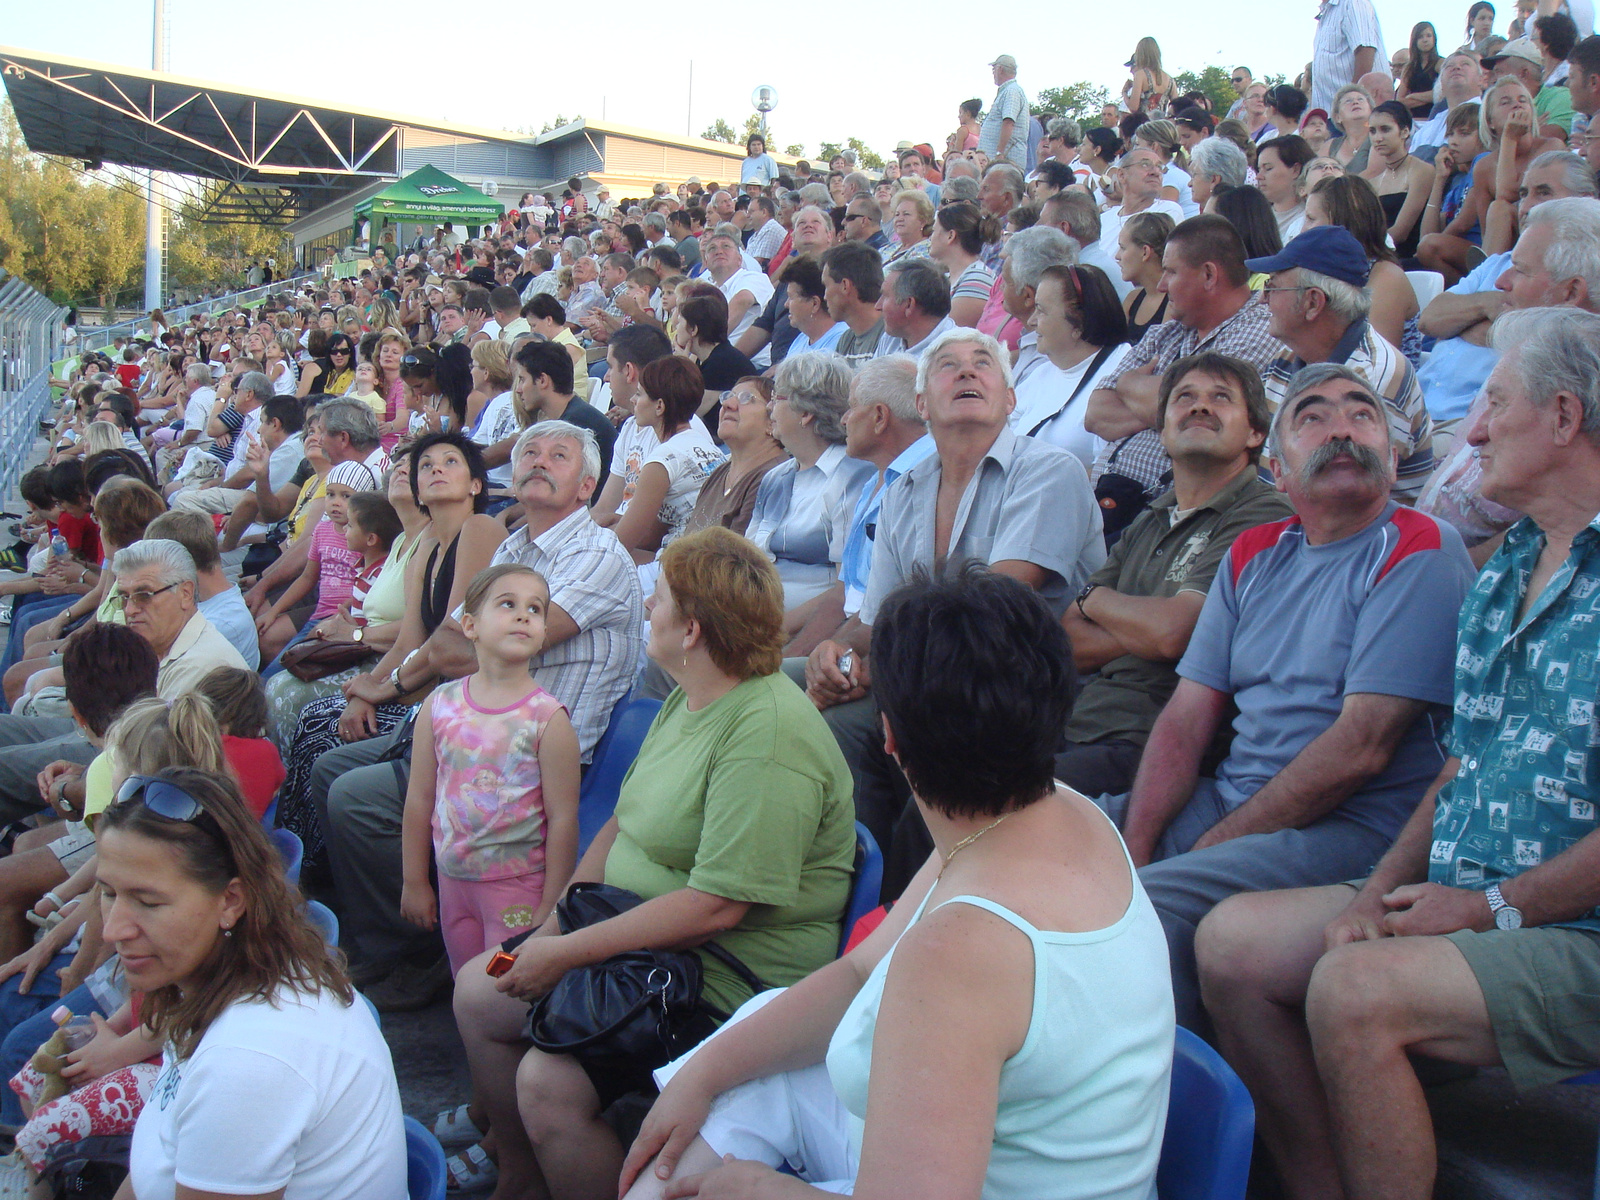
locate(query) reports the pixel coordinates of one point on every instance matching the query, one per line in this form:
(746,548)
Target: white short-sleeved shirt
(634,444)
(299,1096)
(497,422)
(758,285)
(197,413)
(688,457)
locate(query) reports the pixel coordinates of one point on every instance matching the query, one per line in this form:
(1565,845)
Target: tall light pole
(154,216)
(764,99)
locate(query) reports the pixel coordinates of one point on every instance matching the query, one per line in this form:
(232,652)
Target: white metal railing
(29,323)
(98,337)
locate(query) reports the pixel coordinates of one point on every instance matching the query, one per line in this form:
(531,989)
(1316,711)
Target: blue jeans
(27,1022)
(26,612)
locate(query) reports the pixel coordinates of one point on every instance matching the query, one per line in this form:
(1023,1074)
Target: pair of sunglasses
(164,799)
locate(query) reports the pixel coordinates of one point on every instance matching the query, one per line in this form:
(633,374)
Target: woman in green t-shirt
(736,822)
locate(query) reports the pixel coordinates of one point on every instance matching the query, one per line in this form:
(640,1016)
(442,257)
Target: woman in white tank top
(1007,1031)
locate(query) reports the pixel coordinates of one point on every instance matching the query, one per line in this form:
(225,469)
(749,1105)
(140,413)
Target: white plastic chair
(1426,284)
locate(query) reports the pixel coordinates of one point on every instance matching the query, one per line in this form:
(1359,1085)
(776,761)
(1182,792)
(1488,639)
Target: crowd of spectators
(1104,520)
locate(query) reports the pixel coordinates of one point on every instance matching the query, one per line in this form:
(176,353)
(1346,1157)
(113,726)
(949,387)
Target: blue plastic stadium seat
(322,917)
(425,1172)
(1211,1123)
(866,882)
(291,849)
(613,755)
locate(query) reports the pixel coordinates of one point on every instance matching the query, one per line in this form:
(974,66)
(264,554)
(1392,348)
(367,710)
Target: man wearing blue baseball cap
(1318,300)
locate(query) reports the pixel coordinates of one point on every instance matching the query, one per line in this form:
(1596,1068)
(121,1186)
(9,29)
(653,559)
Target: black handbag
(1121,497)
(643,1005)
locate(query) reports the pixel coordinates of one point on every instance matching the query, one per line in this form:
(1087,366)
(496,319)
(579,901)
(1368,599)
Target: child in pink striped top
(494,780)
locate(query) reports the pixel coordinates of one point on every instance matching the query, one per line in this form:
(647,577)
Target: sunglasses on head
(164,799)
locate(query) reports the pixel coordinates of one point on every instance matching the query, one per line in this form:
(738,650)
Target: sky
(491,71)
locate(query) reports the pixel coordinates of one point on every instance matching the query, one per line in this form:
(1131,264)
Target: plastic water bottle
(76,1032)
(58,546)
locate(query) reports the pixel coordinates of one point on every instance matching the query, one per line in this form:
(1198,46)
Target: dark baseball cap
(1330,250)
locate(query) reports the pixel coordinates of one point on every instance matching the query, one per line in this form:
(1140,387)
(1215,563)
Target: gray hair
(822,215)
(1034,251)
(540,430)
(1011,179)
(729,230)
(1065,129)
(961,333)
(1557,350)
(167,556)
(1577,176)
(960,168)
(575,246)
(1078,212)
(859,182)
(1219,159)
(816,382)
(890,381)
(1345,301)
(351,417)
(197,373)
(923,280)
(1574,249)
(257,384)
(1314,376)
(817,193)
(656,221)
(959,187)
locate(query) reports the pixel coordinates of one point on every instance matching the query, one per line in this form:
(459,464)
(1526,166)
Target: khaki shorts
(1542,988)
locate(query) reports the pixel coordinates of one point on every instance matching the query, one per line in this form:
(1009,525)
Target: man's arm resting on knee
(1339,760)
(1170,766)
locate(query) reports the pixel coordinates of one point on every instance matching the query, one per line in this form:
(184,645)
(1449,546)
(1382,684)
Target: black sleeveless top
(1136,328)
(436,587)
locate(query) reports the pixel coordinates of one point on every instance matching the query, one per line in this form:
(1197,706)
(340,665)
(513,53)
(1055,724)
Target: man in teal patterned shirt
(1319,994)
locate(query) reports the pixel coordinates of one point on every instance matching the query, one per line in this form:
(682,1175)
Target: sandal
(453,1127)
(471,1171)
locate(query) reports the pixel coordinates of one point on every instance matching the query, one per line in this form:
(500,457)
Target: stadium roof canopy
(277,156)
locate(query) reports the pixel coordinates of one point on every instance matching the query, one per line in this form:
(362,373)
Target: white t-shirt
(496,423)
(197,414)
(688,456)
(635,443)
(1111,222)
(301,1096)
(758,285)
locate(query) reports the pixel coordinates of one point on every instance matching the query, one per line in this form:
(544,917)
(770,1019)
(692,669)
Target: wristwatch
(1505,916)
(359,634)
(1084,595)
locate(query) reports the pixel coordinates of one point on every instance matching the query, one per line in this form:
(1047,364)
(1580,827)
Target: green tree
(1082,101)
(866,158)
(720,131)
(1215,82)
(203,253)
(795,150)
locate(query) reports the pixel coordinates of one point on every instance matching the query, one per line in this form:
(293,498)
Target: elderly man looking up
(1473,939)
(1021,506)
(1318,298)
(1333,742)
(155,585)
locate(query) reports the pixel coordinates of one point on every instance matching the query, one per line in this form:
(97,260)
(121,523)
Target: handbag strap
(733,964)
(1094,369)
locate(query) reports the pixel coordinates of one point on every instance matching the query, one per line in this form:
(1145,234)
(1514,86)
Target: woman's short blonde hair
(732,589)
(923,205)
(494,359)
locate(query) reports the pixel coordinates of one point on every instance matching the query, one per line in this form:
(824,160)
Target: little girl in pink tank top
(494,780)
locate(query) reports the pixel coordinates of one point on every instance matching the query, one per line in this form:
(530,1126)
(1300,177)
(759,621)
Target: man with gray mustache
(1333,634)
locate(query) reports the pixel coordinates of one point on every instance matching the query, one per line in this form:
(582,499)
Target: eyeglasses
(141,599)
(338,350)
(165,800)
(742,399)
(1267,291)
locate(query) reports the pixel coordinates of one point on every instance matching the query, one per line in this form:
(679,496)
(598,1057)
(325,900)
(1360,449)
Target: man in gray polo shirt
(1333,633)
(1020,506)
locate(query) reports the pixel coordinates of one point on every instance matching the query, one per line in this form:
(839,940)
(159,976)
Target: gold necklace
(967,841)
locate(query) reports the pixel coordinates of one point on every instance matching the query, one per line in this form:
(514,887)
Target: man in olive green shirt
(1132,621)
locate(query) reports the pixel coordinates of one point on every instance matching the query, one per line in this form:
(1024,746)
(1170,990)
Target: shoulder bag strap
(1094,369)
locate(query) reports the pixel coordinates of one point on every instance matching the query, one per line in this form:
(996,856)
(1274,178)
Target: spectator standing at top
(1348,41)
(1004,134)
(758,166)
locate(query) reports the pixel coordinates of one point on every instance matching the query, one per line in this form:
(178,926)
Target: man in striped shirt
(1348,42)
(1318,299)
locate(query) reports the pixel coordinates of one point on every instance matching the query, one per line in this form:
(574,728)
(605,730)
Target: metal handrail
(30,324)
(98,337)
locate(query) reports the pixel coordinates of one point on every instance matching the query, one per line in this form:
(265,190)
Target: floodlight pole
(153,216)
